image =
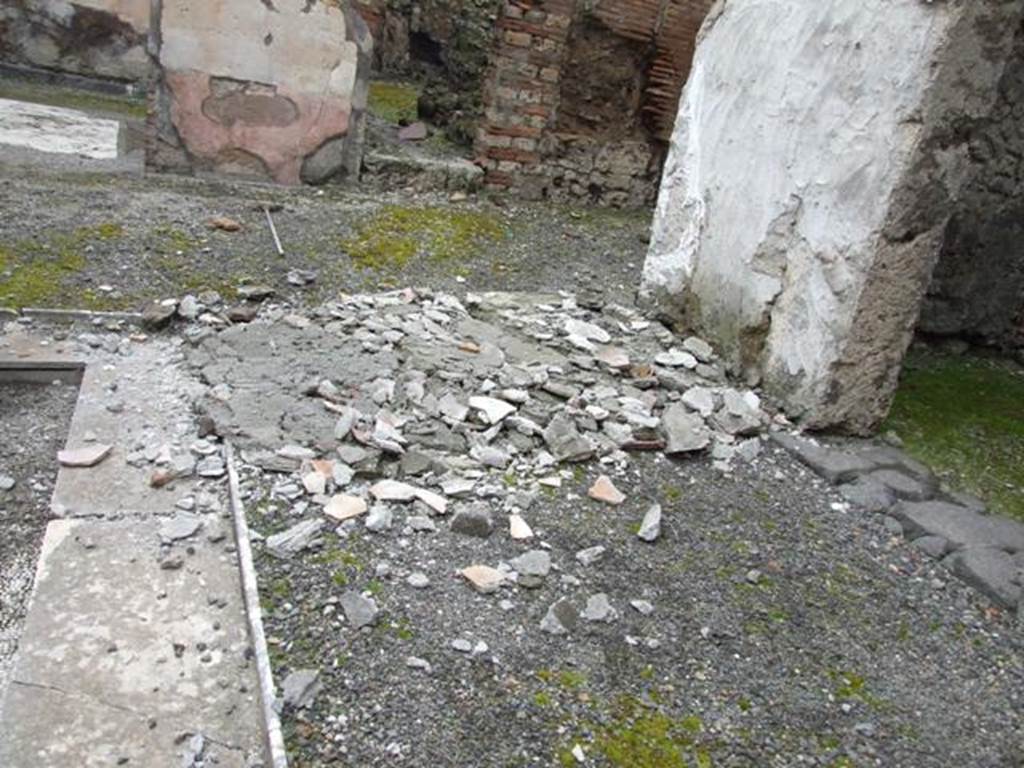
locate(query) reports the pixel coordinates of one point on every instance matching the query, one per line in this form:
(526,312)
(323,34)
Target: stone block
(869,495)
(960,526)
(902,485)
(834,465)
(93,38)
(809,184)
(991,571)
(518,39)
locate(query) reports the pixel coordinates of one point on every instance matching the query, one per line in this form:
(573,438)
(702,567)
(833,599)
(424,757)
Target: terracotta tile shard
(89,456)
(484,579)
(225,224)
(343,507)
(604,490)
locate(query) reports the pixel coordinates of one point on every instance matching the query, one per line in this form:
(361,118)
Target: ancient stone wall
(442,44)
(978,286)
(816,162)
(264,89)
(576,94)
(98,38)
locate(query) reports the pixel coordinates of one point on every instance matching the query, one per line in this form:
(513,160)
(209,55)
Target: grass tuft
(964,417)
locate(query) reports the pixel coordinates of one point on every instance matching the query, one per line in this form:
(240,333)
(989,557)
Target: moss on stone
(964,417)
(396,234)
(638,737)
(37,272)
(70,98)
(393,102)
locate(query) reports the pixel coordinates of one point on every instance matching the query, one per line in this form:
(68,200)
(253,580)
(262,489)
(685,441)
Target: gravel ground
(95,240)
(786,630)
(33,424)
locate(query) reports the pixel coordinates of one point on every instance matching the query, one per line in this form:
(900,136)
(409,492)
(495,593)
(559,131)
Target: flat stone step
(123,662)
(135,649)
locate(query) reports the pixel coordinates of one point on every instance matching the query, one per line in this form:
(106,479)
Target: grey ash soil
(846,648)
(149,238)
(34,420)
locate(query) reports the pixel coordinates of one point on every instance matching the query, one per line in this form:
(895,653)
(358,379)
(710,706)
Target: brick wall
(521,88)
(542,51)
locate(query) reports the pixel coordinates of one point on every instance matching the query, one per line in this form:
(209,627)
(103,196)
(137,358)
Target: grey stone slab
(532,567)
(868,494)
(933,546)
(685,430)
(475,520)
(119,657)
(359,610)
(300,688)
(156,399)
(990,570)
(890,457)
(904,486)
(834,465)
(565,442)
(294,539)
(959,525)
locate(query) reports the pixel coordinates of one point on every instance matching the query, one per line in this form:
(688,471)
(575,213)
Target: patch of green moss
(38,272)
(174,263)
(638,737)
(402,629)
(396,234)
(964,417)
(849,686)
(571,680)
(86,101)
(169,239)
(337,556)
(672,493)
(280,589)
(394,102)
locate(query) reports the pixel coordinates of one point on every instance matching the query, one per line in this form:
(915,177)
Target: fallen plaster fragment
(88,456)
(392,490)
(518,528)
(343,507)
(604,490)
(484,579)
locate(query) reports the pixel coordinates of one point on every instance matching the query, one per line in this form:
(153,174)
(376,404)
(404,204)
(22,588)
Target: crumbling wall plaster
(811,175)
(267,89)
(99,38)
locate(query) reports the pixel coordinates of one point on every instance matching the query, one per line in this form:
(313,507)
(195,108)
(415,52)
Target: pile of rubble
(455,403)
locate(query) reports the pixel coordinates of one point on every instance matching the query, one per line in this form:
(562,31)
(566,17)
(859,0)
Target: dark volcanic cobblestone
(787,630)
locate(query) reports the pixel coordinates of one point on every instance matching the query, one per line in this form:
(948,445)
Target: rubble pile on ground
(457,403)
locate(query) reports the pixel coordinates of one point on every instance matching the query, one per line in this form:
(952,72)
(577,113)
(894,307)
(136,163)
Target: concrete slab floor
(135,649)
(122,661)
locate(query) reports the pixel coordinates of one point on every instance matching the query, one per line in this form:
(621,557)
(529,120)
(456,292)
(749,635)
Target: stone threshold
(985,551)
